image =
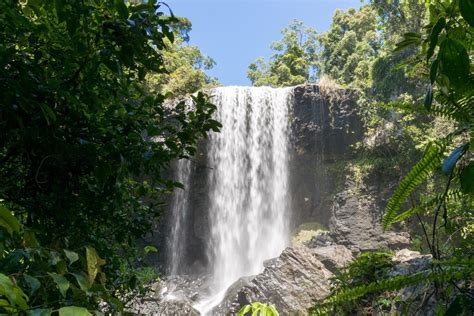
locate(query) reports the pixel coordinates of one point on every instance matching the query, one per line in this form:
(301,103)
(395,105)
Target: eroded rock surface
(356,223)
(333,257)
(292,282)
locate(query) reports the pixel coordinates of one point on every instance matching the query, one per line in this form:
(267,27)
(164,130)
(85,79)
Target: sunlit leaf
(71,256)
(73,311)
(148,249)
(8,221)
(94,262)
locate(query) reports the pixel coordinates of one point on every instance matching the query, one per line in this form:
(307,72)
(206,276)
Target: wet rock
(291,283)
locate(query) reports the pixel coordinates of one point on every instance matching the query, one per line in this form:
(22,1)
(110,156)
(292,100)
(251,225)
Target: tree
(83,144)
(350,46)
(185,65)
(294,61)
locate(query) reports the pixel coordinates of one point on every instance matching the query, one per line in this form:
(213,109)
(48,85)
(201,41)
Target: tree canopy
(294,60)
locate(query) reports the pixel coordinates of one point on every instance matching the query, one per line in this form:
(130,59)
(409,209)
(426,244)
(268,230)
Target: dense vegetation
(411,63)
(84,140)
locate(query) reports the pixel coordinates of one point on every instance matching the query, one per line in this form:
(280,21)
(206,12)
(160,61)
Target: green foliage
(40,280)
(392,284)
(257,309)
(430,161)
(84,144)
(294,61)
(369,267)
(349,47)
(437,59)
(446,50)
(185,66)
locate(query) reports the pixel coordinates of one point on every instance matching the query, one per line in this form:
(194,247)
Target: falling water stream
(248,186)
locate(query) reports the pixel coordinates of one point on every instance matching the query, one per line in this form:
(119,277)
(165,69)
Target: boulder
(333,257)
(292,282)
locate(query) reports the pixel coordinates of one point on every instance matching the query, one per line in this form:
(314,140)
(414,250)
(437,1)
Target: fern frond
(451,195)
(422,169)
(392,284)
(405,107)
(458,110)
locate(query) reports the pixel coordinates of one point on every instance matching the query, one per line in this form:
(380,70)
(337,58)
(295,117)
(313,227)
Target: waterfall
(248,187)
(179,208)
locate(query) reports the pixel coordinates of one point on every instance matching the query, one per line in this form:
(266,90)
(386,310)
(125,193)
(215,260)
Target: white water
(179,208)
(248,192)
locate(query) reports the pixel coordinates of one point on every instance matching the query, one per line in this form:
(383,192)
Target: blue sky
(235,32)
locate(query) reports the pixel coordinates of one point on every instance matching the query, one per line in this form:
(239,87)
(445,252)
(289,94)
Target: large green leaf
(454,61)
(94,262)
(453,158)
(435,31)
(467,178)
(428,98)
(82,280)
(148,249)
(33,282)
(62,283)
(244,310)
(467,11)
(13,293)
(422,169)
(71,256)
(8,221)
(73,311)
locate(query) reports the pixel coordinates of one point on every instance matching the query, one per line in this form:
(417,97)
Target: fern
(393,284)
(458,110)
(430,161)
(452,195)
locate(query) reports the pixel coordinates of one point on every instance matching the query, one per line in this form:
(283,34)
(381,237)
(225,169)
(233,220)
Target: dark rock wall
(324,126)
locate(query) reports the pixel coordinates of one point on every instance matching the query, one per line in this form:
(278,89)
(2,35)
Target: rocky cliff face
(325,126)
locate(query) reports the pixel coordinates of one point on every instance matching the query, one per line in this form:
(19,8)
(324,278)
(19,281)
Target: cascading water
(249,203)
(179,209)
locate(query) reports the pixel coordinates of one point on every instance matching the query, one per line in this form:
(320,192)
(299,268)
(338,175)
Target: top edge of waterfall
(312,86)
(236,87)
